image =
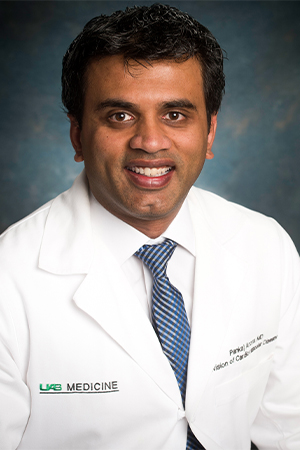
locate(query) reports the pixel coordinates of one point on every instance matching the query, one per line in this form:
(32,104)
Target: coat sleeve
(14,393)
(277,425)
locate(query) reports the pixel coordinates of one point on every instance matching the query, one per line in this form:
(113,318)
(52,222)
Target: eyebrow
(180,103)
(114,103)
(122,104)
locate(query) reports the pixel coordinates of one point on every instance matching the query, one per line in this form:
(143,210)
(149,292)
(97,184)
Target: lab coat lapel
(218,276)
(106,295)
(69,247)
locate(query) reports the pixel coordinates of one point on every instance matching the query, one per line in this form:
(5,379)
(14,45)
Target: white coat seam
(5,304)
(296,295)
(20,222)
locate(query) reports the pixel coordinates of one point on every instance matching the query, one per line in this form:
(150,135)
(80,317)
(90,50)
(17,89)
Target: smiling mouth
(151,171)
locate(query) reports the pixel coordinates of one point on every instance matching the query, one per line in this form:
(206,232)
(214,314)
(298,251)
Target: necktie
(169,317)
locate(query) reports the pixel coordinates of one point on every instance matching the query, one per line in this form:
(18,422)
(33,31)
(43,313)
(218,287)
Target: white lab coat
(70,320)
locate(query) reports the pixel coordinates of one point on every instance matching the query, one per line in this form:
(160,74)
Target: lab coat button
(180,414)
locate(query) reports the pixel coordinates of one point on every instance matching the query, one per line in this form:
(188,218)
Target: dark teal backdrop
(257,155)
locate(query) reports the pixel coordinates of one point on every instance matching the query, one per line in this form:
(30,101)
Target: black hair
(143,33)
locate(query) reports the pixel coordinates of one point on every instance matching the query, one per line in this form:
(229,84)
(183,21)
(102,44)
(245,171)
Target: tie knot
(156,256)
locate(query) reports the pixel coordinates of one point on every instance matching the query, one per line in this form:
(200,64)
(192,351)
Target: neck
(150,225)
(151,228)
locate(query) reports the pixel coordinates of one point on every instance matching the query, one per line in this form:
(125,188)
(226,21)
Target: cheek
(96,149)
(109,147)
(192,150)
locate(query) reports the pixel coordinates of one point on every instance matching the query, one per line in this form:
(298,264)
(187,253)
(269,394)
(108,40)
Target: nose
(149,137)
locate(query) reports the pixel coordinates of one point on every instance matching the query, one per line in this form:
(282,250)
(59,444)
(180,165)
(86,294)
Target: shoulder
(257,241)
(219,212)
(27,231)
(32,226)
(53,227)
(232,223)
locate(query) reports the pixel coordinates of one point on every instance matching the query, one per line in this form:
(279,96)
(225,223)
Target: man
(138,312)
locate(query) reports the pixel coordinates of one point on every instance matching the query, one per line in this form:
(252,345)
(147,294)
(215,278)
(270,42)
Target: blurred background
(257,154)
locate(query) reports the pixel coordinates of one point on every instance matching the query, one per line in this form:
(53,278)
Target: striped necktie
(169,317)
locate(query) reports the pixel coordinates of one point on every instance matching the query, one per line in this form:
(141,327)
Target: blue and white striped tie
(169,317)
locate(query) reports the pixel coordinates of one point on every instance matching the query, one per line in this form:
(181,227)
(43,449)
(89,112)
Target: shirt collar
(124,240)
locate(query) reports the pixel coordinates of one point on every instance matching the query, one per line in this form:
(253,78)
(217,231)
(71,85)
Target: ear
(75,136)
(211,136)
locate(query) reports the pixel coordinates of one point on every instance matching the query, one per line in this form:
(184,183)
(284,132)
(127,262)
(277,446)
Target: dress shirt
(124,240)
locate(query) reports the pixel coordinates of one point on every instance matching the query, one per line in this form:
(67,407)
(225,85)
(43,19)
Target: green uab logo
(50,387)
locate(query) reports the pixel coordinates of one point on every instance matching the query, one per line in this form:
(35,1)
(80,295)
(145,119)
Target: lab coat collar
(124,240)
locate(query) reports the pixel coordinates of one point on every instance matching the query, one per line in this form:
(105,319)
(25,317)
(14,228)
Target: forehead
(113,76)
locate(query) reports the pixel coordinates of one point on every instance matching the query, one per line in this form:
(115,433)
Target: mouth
(155,175)
(151,171)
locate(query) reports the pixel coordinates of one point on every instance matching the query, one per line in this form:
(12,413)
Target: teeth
(151,171)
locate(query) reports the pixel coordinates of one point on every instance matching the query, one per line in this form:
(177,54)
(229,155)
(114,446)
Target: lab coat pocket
(237,403)
(255,377)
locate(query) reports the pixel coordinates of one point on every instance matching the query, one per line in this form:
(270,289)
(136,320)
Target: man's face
(144,138)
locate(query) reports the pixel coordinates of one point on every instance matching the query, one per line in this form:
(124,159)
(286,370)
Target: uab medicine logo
(50,387)
(99,387)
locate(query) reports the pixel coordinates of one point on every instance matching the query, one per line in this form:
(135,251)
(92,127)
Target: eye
(121,117)
(174,116)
